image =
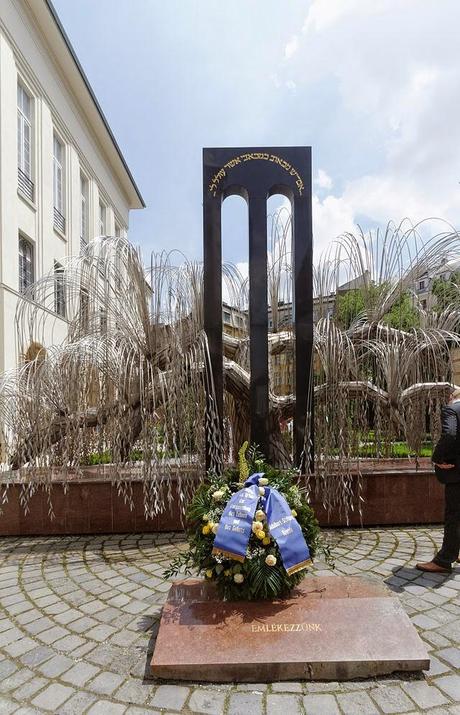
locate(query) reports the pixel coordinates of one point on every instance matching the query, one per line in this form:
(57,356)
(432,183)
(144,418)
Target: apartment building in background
(63,178)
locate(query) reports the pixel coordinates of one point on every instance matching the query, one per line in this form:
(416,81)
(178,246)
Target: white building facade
(63,179)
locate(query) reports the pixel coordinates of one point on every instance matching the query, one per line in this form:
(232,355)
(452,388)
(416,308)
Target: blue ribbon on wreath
(235,525)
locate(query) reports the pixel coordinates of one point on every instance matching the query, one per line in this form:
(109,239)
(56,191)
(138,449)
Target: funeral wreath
(250,531)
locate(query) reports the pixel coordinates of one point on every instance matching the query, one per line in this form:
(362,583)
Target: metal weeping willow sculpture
(128,385)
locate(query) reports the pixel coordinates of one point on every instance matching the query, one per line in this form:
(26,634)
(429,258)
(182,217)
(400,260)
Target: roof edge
(90,90)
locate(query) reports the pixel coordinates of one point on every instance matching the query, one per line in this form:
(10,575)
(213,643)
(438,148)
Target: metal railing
(59,220)
(25,185)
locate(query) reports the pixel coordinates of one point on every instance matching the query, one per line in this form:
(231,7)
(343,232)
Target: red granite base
(91,506)
(331,628)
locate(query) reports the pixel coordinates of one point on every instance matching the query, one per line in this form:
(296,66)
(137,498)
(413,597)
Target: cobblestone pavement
(78,617)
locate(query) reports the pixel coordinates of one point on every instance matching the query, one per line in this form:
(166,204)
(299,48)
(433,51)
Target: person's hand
(445,466)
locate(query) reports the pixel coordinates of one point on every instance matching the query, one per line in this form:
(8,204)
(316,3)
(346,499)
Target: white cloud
(291,47)
(397,81)
(332,216)
(323,180)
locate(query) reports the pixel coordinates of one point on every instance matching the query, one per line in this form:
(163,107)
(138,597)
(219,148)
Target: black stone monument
(256,174)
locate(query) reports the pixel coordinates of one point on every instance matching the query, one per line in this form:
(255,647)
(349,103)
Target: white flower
(214,528)
(218,495)
(260,515)
(263,481)
(238,578)
(270,560)
(205,517)
(262,491)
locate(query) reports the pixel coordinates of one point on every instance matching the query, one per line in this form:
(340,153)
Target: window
(25,184)
(58,184)
(102,217)
(421,285)
(83,211)
(423,302)
(59,290)
(227,317)
(26,264)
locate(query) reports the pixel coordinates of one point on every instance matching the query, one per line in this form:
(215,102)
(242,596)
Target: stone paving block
(77,704)
(423,694)
(16,679)
(134,691)
(287,687)
(7,667)
(55,666)
(106,707)
(105,683)
(245,704)
(449,684)
(451,655)
(7,706)
(320,705)
(52,697)
(37,655)
(50,635)
(391,699)
(100,633)
(69,643)
(437,667)
(424,622)
(9,636)
(253,687)
(32,686)
(357,702)
(21,646)
(282,704)
(172,697)
(80,673)
(206,701)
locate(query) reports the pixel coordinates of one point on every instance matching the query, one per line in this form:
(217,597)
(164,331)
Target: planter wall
(393,496)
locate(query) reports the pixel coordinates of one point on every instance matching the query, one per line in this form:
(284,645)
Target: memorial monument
(250,525)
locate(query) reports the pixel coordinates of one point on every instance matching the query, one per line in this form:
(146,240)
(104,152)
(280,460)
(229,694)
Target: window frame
(23,286)
(59,164)
(60,302)
(84,214)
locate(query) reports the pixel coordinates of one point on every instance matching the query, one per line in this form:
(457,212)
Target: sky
(373,86)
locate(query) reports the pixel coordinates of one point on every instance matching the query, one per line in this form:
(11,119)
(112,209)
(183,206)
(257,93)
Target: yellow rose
(211,525)
(205,530)
(228,572)
(263,481)
(209,573)
(261,534)
(260,516)
(266,541)
(238,578)
(270,560)
(257,526)
(294,513)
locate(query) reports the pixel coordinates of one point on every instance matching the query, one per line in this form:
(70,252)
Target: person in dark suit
(446,459)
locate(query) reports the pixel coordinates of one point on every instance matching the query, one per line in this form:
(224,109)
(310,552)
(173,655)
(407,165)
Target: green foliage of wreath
(253,579)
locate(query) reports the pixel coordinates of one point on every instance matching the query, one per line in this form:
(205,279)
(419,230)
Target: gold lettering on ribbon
(256,156)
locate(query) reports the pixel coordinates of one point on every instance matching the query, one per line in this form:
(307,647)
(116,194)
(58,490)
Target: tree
(403,315)
(446,292)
